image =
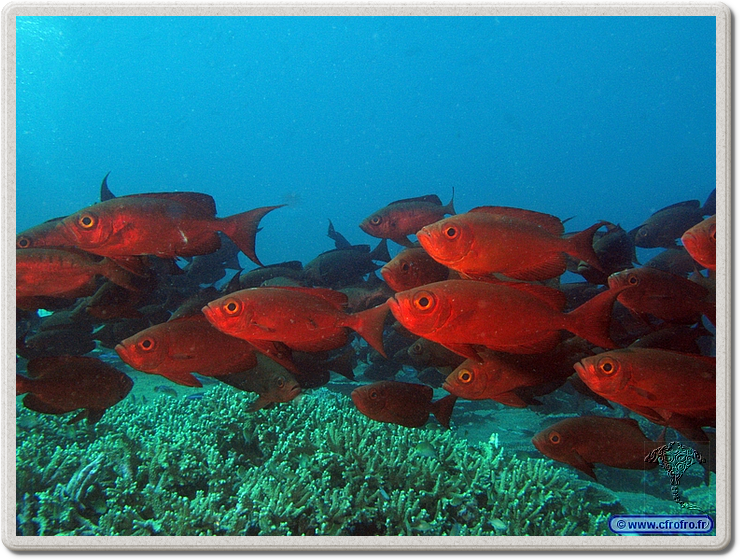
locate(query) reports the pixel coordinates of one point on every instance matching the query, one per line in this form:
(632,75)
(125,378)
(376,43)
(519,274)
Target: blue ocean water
(589,118)
(597,118)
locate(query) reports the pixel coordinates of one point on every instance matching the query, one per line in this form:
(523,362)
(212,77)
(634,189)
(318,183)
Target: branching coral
(314,466)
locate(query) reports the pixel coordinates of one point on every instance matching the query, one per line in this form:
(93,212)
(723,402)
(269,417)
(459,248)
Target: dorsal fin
(548,222)
(431,198)
(203,202)
(684,204)
(337,299)
(552,297)
(105,193)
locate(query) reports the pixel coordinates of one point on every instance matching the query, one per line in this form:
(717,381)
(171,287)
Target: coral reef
(314,466)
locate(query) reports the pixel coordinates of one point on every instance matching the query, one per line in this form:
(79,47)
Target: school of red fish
(477,307)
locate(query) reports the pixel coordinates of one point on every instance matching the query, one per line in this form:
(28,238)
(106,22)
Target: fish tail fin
(442,409)
(242,229)
(450,208)
(23,385)
(369,325)
(581,246)
(380,253)
(592,319)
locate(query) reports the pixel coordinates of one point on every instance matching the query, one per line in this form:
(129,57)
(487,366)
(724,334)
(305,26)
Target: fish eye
(232,307)
(415,348)
(465,375)
(405,267)
(424,301)
(23,242)
(713,233)
(607,366)
(554,437)
(146,344)
(375,220)
(87,221)
(451,232)
(633,280)
(373,394)
(280,382)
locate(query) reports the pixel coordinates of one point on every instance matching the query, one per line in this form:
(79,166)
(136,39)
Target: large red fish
(62,384)
(163,224)
(582,442)
(663,295)
(669,388)
(511,317)
(520,244)
(306,319)
(405,217)
(64,273)
(411,268)
(701,242)
(178,348)
(406,404)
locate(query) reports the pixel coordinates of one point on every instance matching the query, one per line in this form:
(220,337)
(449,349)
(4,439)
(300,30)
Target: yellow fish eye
(23,242)
(607,366)
(376,220)
(465,375)
(424,301)
(87,221)
(232,307)
(554,438)
(146,344)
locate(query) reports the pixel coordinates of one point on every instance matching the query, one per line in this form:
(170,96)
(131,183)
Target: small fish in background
(57,385)
(701,242)
(411,268)
(675,260)
(166,390)
(663,295)
(271,381)
(615,250)
(342,267)
(520,244)
(406,404)
(258,276)
(405,217)
(669,223)
(585,441)
(425,449)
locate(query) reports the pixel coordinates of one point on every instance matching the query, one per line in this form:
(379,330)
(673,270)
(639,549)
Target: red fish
(187,345)
(42,235)
(407,404)
(669,388)
(515,379)
(62,384)
(582,442)
(701,242)
(306,319)
(64,273)
(510,317)
(663,295)
(163,224)
(518,243)
(411,268)
(405,217)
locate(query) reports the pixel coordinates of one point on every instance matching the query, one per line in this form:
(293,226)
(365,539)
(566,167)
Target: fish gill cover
(549,168)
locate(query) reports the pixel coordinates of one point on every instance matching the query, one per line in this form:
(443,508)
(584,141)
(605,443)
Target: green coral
(315,466)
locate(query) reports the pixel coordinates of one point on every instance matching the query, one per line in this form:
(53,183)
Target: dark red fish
(62,384)
(42,235)
(511,317)
(669,388)
(341,267)
(405,217)
(306,319)
(515,379)
(407,404)
(701,242)
(64,273)
(411,268)
(163,224)
(583,442)
(177,349)
(663,295)
(272,382)
(520,244)
(669,223)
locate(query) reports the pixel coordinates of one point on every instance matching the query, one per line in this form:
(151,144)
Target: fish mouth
(294,391)
(124,354)
(395,307)
(581,370)
(447,387)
